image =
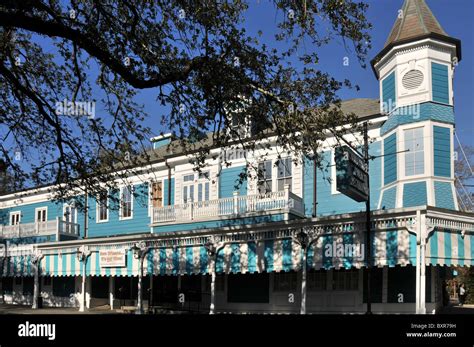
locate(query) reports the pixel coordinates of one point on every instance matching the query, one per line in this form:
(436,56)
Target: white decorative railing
(234,206)
(39,228)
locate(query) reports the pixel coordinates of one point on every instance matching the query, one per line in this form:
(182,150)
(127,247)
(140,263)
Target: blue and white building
(202,244)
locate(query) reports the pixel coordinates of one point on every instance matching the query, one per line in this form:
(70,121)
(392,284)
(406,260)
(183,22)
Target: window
(265,177)
(199,186)
(156,194)
(15,218)
(126,202)
(203,191)
(284,281)
(70,214)
(203,186)
(284,173)
(414,157)
(41,215)
(188,178)
(317,280)
(345,280)
(103,207)
(188,188)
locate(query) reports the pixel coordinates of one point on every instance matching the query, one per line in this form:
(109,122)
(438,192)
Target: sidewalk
(20,309)
(454,308)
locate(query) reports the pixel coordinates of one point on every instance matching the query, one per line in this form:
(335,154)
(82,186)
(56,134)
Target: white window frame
(65,206)
(196,181)
(277,179)
(97,212)
(14,213)
(44,208)
(150,194)
(266,179)
(403,156)
(121,217)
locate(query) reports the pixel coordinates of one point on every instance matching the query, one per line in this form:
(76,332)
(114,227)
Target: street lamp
(83,253)
(304,238)
(140,249)
(212,246)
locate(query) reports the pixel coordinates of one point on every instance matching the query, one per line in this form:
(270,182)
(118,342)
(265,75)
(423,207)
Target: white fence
(39,228)
(236,205)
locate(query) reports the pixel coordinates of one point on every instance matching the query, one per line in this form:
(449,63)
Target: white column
(111,292)
(213,284)
(236,202)
(423,268)
(82,304)
(36,284)
(140,286)
(418,269)
(88,292)
(303,283)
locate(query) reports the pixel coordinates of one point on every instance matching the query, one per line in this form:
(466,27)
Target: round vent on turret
(412,79)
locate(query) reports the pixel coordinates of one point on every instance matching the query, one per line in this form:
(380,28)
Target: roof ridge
(420,17)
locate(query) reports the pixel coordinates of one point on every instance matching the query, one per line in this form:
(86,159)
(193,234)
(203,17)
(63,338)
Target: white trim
(334,190)
(10,217)
(97,210)
(44,208)
(131,200)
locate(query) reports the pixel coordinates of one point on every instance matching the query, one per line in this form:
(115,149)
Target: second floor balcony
(52,227)
(237,206)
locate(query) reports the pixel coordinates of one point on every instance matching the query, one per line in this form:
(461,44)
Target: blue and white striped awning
(17,266)
(450,247)
(64,262)
(389,248)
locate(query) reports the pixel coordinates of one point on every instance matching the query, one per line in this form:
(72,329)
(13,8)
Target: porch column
(213,285)
(212,247)
(83,253)
(305,239)
(303,284)
(425,232)
(140,251)
(36,259)
(418,265)
(111,292)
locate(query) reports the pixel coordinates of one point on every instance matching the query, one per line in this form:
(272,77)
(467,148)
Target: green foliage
(197,56)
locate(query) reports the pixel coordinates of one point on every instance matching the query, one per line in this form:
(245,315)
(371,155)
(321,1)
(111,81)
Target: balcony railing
(56,226)
(234,206)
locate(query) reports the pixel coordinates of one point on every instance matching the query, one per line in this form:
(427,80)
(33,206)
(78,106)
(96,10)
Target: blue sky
(455,16)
